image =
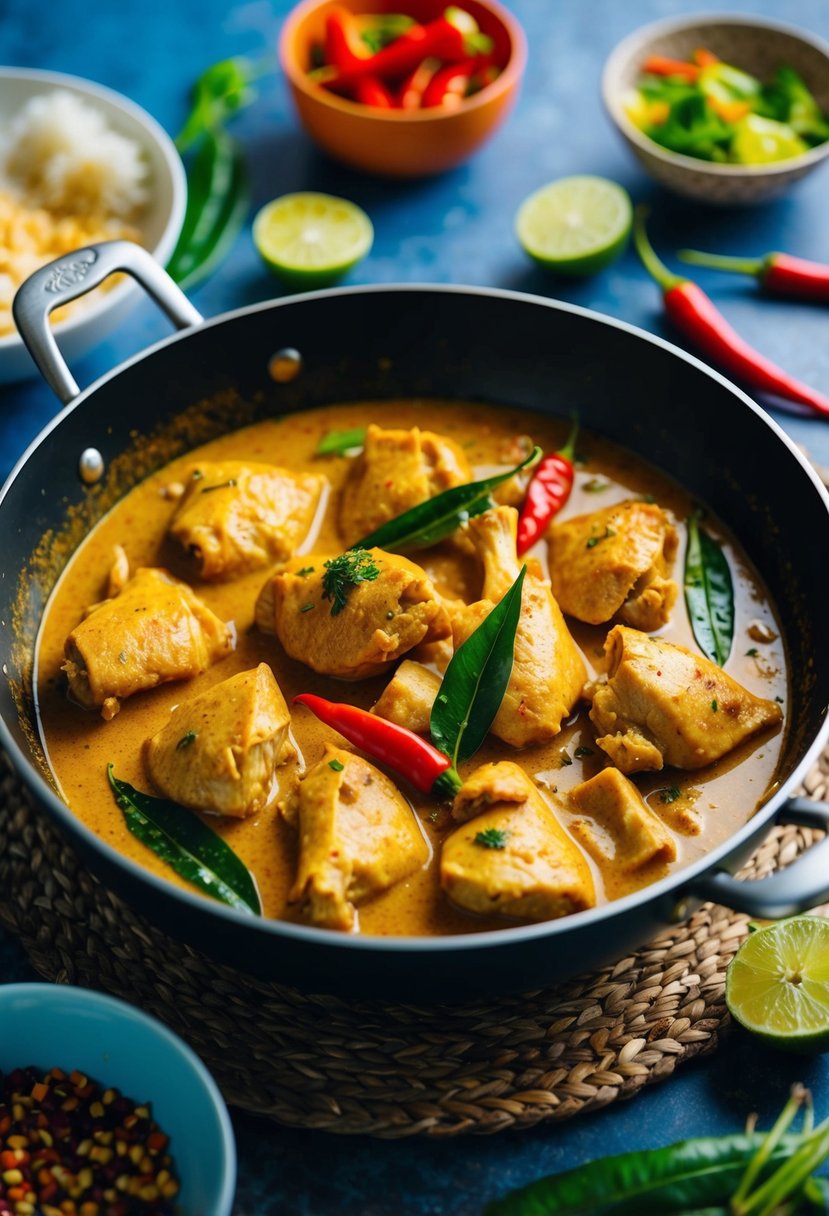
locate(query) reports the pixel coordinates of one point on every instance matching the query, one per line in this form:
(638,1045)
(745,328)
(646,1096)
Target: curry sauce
(699,809)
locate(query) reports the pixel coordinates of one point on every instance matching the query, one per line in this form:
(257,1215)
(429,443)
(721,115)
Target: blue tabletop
(453,229)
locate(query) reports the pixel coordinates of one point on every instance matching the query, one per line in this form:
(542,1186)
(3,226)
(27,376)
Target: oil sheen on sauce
(712,803)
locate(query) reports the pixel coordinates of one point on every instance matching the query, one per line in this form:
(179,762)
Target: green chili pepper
(709,593)
(217,186)
(439,517)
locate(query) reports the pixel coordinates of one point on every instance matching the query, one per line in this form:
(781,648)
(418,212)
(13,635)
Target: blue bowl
(50,1025)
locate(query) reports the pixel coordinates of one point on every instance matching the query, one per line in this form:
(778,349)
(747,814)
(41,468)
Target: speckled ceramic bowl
(752,43)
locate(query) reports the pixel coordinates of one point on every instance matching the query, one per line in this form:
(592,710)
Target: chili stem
(717,261)
(653,264)
(569,449)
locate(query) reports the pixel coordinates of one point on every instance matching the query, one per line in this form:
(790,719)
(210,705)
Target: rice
(66,179)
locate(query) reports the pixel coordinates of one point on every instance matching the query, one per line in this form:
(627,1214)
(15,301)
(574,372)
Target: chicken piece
(548,671)
(615,561)
(514,857)
(238,516)
(663,704)
(409,696)
(630,835)
(154,631)
(397,470)
(380,605)
(358,836)
(220,750)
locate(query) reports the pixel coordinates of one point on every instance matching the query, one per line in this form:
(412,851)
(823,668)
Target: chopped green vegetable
(383,28)
(305,571)
(186,740)
(584,751)
(752,653)
(594,540)
(183,841)
(714,705)
(595,485)
(336,765)
(492,838)
(335,443)
(306,607)
(564,759)
(223,485)
(670,794)
(344,572)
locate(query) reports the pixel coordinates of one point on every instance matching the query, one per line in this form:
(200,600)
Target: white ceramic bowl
(48,1025)
(160,222)
(752,43)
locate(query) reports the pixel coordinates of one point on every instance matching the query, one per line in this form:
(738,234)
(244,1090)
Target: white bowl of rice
(78,163)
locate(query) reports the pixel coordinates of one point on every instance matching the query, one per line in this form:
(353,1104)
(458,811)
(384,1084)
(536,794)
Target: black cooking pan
(374,343)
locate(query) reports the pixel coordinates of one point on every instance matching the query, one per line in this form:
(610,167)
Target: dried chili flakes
(69,1147)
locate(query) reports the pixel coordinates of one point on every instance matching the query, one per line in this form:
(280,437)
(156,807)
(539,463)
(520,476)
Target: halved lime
(575,225)
(311,240)
(778,984)
(762,141)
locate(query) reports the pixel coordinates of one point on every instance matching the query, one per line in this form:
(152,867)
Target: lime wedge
(778,984)
(575,225)
(762,141)
(311,240)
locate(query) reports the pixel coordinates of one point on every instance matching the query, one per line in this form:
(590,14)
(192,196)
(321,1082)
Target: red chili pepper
(428,769)
(780,273)
(454,36)
(341,41)
(449,84)
(661,65)
(697,316)
(547,493)
(414,86)
(370,91)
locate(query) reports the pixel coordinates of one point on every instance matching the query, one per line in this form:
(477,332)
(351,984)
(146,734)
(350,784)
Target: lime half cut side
(778,984)
(575,225)
(312,240)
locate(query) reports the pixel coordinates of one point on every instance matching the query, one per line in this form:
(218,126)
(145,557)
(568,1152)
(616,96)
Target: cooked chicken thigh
(358,837)
(397,470)
(238,516)
(629,834)
(548,671)
(615,561)
(662,704)
(156,629)
(512,857)
(409,696)
(220,751)
(385,605)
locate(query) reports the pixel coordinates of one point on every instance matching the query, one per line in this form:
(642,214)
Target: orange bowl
(401,143)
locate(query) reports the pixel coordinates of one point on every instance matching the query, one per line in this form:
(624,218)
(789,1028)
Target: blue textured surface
(457,228)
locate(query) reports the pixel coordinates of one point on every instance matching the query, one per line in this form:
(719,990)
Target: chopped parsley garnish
(564,760)
(752,653)
(594,540)
(306,607)
(780,699)
(305,571)
(336,765)
(595,485)
(492,838)
(584,751)
(344,572)
(197,474)
(670,794)
(223,485)
(186,740)
(714,706)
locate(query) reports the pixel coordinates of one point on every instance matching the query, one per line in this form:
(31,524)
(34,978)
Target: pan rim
(671,886)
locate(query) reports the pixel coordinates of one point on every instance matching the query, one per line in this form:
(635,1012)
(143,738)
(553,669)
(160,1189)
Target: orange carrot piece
(704,58)
(661,65)
(729,111)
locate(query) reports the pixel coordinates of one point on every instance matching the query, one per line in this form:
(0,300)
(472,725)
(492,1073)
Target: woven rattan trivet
(384,1070)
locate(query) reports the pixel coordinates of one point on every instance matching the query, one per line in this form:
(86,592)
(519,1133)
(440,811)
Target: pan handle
(74,275)
(802,885)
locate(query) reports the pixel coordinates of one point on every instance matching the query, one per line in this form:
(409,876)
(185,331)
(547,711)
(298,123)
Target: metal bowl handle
(74,275)
(802,885)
